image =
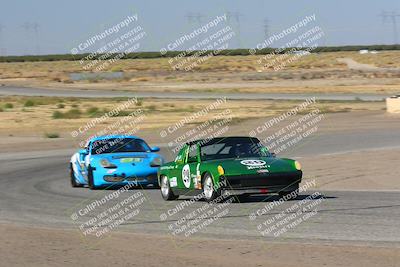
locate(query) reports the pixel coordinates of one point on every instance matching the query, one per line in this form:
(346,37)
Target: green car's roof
(224,139)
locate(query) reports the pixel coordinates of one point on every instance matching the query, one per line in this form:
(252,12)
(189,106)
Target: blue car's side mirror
(83,152)
(155,149)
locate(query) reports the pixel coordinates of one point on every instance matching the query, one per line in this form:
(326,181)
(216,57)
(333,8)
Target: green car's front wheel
(166,191)
(209,191)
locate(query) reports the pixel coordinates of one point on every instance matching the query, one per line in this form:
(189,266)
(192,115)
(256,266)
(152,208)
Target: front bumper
(123,176)
(149,179)
(262,183)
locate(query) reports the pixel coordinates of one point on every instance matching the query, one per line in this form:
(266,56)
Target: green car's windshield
(240,147)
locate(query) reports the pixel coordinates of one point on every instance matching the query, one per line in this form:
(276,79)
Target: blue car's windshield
(118,145)
(239,147)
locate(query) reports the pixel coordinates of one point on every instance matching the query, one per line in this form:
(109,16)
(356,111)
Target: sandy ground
(362,170)
(49,247)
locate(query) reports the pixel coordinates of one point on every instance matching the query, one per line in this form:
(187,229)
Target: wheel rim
(208,188)
(164,186)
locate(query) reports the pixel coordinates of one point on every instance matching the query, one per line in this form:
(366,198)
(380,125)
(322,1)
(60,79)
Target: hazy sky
(62,25)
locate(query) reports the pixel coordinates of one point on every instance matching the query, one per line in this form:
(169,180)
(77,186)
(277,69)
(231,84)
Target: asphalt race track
(36,191)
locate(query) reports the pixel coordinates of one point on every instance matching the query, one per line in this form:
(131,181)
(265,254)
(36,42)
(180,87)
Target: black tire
(290,195)
(74,183)
(208,181)
(165,189)
(90,179)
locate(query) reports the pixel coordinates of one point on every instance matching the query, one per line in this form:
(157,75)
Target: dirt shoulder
(50,247)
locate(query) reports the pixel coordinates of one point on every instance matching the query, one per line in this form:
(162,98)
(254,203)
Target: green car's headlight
(297,165)
(156,162)
(221,170)
(106,164)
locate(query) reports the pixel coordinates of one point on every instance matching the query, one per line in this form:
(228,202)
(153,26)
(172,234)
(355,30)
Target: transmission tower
(392,18)
(27,28)
(1,40)
(35,27)
(190,17)
(266,28)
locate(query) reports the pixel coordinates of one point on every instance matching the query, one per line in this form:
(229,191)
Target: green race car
(235,165)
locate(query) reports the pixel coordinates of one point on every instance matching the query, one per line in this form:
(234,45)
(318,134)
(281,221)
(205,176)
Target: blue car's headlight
(106,164)
(156,162)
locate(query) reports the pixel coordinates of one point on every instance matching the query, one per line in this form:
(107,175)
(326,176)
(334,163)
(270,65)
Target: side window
(180,158)
(192,153)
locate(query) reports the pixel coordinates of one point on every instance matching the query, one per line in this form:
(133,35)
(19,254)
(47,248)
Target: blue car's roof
(104,137)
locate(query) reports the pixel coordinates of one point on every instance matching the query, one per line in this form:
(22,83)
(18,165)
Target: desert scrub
(70,114)
(51,135)
(29,103)
(8,105)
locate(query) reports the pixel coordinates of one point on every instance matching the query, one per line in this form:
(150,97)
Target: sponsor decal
(169,167)
(129,160)
(186,175)
(111,171)
(253,162)
(173,182)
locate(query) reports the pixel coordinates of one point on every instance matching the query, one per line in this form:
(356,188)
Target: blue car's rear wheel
(74,183)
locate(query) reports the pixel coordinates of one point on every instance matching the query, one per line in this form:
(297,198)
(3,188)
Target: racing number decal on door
(186,175)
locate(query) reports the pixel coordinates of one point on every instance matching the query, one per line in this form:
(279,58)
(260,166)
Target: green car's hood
(255,165)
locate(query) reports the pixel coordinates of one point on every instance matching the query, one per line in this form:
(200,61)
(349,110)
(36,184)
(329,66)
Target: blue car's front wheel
(91,179)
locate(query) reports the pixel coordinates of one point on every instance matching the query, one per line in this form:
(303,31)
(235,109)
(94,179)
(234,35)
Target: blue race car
(115,160)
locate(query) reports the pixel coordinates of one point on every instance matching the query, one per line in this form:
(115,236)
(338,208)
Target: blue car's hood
(127,157)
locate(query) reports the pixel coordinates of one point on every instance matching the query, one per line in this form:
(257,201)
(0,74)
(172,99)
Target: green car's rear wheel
(209,191)
(166,191)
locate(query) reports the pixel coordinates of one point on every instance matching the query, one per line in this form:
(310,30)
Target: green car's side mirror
(83,151)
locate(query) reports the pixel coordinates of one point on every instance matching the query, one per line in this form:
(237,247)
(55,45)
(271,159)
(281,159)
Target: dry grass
(39,118)
(315,73)
(59,70)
